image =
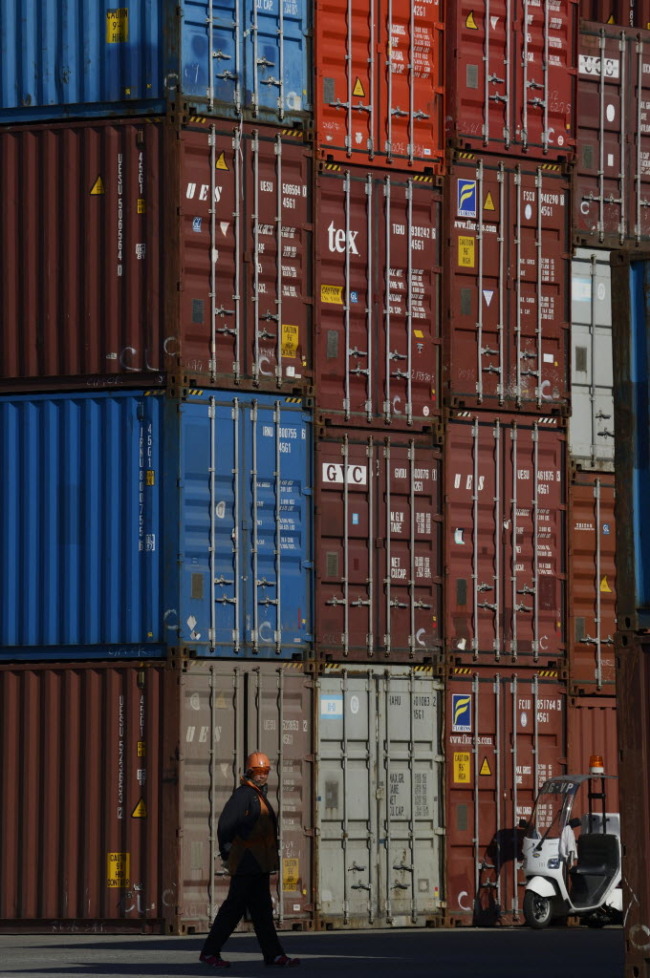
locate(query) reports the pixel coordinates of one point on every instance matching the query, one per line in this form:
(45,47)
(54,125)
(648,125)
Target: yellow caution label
(117,26)
(140,810)
(466,247)
(604,586)
(142,205)
(485,768)
(98,187)
(358,89)
(290,340)
(470,22)
(221,162)
(489,203)
(332,293)
(462,768)
(118,870)
(291,875)
(142,748)
(418,334)
(151,477)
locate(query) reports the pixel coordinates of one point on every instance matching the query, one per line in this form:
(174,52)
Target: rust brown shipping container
(379,97)
(377,282)
(592,729)
(505,734)
(633,701)
(612,175)
(506,307)
(592,583)
(120,269)
(378,592)
(511,77)
(626,13)
(113,778)
(504,513)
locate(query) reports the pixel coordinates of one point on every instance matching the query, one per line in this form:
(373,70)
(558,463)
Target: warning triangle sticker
(494,21)
(140,810)
(485,767)
(487,295)
(358,89)
(223,227)
(470,22)
(221,162)
(489,203)
(604,586)
(98,187)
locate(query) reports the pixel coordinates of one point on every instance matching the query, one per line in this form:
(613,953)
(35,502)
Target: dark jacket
(248,832)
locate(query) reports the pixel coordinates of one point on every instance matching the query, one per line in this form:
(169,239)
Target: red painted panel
(592,583)
(506,333)
(511,77)
(379,546)
(377,298)
(506,734)
(612,177)
(592,729)
(626,13)
(379,89)
(505,538)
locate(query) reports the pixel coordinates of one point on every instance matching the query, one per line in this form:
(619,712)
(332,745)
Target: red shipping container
(592,583)
(511,75)
(505,538)
(377,287)
(92,296)
(379,545)
(592,729)
(505,326)
(612,176)
(379,88)
(626,13)
(505,735)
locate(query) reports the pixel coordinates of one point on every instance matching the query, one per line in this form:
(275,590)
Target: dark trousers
(252,893)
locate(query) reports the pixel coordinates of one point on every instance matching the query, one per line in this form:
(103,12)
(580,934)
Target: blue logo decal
(466,198)
(196,224)
(461,712)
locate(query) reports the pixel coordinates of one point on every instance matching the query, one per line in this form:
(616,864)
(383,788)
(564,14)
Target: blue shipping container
(75,58)
(132,522)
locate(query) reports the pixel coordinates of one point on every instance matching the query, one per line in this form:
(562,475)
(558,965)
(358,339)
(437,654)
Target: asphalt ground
(461,953)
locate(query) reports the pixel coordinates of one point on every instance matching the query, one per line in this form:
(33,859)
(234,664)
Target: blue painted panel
(75,58)
(80,524)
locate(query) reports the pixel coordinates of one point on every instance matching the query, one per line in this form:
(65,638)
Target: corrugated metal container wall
(378,589)
(243,302)
(226,711)
(81,777)
(506,332)
(511,78)
(378,303)
(239,492)
(592,583)
(633,698)
(591,425)
(627,13)
(612,175)
(506,734)
(505,538)
(379,83)
(94,298)
(379,797)
(631,313)
(80,525)
(215,497)
(592,729)
(73,58)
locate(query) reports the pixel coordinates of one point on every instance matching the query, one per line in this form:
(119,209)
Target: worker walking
(248,844)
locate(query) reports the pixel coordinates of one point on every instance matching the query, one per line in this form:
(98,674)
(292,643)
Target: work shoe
(214,960)
(282,961)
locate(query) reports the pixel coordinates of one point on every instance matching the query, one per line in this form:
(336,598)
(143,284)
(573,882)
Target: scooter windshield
(552,809)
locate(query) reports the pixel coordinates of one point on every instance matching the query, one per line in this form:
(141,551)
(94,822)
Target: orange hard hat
(257,763)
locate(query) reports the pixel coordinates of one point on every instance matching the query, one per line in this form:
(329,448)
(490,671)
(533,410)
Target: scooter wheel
(537,910)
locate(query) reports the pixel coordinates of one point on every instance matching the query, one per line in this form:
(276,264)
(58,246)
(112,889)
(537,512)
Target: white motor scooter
(568,875)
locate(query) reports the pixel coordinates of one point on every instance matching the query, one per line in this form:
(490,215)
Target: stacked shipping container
(288,361)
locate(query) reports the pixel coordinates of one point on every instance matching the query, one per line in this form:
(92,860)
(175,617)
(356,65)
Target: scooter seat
(589,870)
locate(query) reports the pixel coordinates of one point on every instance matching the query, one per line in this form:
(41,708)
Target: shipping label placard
(118,870)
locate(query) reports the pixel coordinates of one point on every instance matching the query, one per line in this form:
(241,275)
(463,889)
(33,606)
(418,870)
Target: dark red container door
(379,96)
(592,583)
(245,264)
(377,298)
(592,729)
(626,13)
(505,737)
(506,321)
(80,243)
(511,77)
(505,538)
(378,529)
